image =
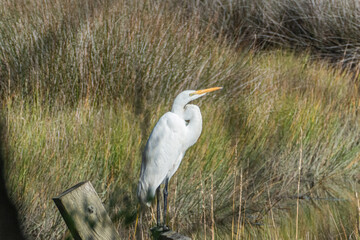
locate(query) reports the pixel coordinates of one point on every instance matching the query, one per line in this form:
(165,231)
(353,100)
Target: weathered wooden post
(84,214)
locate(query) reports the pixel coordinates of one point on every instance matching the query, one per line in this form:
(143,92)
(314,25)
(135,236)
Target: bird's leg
(165,202)
(158,206)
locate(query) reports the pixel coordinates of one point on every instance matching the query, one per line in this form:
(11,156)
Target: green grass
(84,82)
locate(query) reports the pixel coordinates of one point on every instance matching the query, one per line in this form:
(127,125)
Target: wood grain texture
(84,214)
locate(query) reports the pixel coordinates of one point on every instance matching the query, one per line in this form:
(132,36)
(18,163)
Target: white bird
(173,134)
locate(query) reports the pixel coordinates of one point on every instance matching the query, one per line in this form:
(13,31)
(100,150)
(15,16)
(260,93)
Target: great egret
(173,134)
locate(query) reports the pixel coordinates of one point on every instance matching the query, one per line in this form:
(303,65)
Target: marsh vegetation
(83,83)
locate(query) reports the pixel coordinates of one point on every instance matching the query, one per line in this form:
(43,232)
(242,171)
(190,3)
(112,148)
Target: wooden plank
(84,214)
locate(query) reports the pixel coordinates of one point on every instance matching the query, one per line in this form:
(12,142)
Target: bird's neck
(192,114)
(178,109)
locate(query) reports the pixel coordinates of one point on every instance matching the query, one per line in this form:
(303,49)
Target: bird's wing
(163,149)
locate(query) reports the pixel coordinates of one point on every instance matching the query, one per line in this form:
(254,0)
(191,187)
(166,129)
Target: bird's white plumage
(173,134)
(160,152)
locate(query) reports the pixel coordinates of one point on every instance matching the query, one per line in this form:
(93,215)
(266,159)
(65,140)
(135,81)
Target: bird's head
(189,95)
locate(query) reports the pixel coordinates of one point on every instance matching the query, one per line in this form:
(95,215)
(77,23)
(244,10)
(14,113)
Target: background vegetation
(83,83)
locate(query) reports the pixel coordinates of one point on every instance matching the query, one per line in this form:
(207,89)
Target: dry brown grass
(83,82)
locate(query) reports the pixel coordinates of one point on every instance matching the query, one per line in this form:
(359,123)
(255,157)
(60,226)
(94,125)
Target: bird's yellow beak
(202,91)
